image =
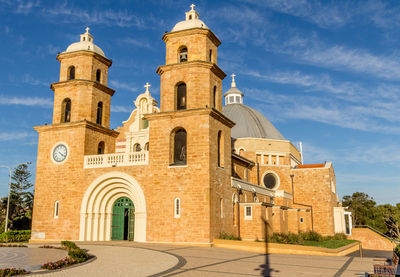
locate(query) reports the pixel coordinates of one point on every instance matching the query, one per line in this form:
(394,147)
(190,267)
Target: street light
(9,188)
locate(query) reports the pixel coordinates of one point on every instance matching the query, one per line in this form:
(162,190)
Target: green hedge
(69,245)
(15,236)
(300,238)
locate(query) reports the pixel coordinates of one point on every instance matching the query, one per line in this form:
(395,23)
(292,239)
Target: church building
(184,170)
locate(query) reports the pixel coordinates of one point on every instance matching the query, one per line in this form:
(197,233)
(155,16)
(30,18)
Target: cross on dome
(192,7)
(233,84)
(192,14)
(147,85)
(87,29)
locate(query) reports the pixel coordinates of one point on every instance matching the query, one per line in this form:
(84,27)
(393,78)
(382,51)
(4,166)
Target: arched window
(183,55)
(146,146)
(220,145)
(137,147)
(181,97)
(66,110)
(99,112)
(56,209)
(71,73)
(210,56)
(100,148)
(180,150)
(98,75)
(177,208)
(215,97)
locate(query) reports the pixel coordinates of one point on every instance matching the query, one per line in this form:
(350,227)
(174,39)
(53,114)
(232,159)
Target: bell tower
(191,78)
(82,92)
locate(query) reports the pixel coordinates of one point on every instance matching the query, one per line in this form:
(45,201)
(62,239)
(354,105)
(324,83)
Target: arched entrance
(123,220)
(98,203)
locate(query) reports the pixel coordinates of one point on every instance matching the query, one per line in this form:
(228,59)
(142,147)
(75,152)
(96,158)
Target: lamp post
(9,188)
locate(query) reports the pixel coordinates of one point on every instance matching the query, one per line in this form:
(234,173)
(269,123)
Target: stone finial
(147,85)
(233,84)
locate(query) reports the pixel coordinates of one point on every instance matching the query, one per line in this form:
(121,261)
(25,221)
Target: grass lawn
(328,243)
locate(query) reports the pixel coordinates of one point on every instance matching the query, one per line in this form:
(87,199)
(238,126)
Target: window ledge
(221,167)
(177,165)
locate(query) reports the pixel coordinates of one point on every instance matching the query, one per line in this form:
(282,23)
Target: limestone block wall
(312,186)
(252,228)
(371,240)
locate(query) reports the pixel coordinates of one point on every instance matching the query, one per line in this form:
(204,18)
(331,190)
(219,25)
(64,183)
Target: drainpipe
(239,191)
(258,174)
(310,206)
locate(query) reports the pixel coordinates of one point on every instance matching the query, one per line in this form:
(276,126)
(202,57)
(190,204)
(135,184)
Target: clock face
(60,153)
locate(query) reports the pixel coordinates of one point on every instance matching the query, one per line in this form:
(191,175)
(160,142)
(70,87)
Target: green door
(123,219)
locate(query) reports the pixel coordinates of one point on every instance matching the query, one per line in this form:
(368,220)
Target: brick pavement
(145,259)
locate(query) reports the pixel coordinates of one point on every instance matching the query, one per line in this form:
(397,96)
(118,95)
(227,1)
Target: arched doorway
(123,220)
(98,203)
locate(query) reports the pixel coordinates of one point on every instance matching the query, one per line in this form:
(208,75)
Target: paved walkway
(142,259)
(28,258)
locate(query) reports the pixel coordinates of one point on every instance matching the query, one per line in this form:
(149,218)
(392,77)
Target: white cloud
(25,7)
(137,42)
(26,101)
(28,79)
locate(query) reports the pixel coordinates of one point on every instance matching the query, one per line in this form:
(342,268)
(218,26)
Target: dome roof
(233,90)
(250,123)
(86,44)
(192,21)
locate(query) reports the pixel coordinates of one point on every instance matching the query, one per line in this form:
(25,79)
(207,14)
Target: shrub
(340,236)
(12,245)
(78,255)
(228,236)
(294,238)
(311,235)
(69,245)
(5,272)
(15,236)
(54,247)
(397,250)
(59,264)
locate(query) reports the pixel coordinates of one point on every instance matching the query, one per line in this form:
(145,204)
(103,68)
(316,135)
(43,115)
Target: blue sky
(326,73)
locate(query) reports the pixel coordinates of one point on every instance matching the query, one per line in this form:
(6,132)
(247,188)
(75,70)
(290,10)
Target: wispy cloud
(5,136)
(29,79)
(120,109)
(137,42)
(26,101)
(124,86)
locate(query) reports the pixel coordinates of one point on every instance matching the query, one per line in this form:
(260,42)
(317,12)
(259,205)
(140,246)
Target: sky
(326,73)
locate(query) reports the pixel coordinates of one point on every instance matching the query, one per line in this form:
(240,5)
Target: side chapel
(183,172)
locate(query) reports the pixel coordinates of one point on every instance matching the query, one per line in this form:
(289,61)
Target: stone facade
(212,190)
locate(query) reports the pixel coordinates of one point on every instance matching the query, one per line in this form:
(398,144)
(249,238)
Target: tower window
(56,209)
(215,97)
(71,73)
(66,110)
(220,146)
(210,56)
(181,97)
(177,208)
(100,148)
(183,55)
(137,147)
(99,112)
(180,149)
(98,75)
(146,146)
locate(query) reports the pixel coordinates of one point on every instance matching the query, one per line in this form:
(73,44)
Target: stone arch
(97,204)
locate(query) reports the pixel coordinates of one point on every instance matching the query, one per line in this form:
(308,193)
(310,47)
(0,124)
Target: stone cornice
(78,124)
(190,112)
(99,57)
(193,31)
(95,84)
(198,63)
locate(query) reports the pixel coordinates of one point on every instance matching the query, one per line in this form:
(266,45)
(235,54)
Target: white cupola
(192,21)
(85,44)
(233,95)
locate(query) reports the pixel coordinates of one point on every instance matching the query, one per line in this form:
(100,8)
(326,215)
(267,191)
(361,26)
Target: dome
(192,21)
(250,123)
(85,44)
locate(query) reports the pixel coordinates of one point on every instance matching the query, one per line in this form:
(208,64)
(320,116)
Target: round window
(269,180)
